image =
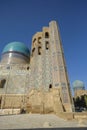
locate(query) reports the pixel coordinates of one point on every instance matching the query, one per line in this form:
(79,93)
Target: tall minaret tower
(59,70)
(48,68)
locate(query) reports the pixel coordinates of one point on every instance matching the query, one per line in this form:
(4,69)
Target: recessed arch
(46,35)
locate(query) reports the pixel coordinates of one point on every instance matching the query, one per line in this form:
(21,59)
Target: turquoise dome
(16,47)
(78,84)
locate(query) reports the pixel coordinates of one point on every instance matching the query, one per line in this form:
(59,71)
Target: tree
(85,98)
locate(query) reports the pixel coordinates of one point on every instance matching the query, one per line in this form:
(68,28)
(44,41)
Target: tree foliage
(80,101)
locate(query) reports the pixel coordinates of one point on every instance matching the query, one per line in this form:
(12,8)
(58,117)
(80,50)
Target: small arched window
(50,86)
(39,40)
(28,68)
(33,51)
(47,45)
(46,35)
(34,40)
(39,50)
(2,83)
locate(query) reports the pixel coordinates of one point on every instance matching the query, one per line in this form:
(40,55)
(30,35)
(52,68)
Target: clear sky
(21,19)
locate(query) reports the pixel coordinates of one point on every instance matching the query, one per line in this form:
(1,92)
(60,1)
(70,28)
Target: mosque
(79,88)
(36,80)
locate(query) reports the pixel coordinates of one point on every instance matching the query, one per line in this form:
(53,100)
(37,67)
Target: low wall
(9,111)
(72,115)
(66,115)
(80,115)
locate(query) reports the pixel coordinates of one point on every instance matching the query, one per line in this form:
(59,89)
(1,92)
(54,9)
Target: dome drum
(12,58)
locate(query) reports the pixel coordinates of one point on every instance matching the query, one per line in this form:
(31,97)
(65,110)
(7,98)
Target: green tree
(85,98)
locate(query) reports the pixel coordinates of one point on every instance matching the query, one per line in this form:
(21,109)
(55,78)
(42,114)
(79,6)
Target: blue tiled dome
(16,47)
(78,84)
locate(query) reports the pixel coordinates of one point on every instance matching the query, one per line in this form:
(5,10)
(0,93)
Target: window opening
(28,68)
(50,86)
(46,35)
(47,45)
(33,50)
(39,50)
(2,83)
(39,38)
(34,40)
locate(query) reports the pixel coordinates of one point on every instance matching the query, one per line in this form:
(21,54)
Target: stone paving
(37,121)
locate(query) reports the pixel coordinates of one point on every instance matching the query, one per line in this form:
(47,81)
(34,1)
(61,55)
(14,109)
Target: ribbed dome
(16,47)
(78,84)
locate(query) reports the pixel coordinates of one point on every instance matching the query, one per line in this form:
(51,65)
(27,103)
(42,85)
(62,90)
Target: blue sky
(21,19)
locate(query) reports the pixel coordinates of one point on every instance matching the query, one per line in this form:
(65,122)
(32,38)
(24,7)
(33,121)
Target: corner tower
(48,68)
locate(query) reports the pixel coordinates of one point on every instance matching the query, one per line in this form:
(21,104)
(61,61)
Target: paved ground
(37,121)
